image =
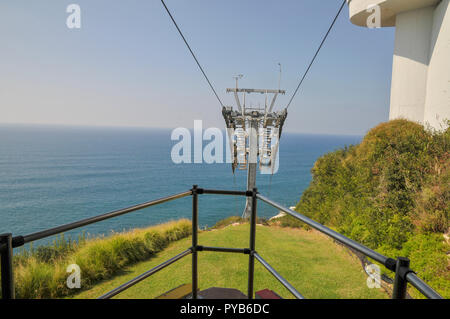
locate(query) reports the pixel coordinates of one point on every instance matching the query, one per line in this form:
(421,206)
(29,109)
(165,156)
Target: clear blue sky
(127,66)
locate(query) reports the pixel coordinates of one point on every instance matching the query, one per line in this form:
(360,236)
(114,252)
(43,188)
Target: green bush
(391,192)
(427,253)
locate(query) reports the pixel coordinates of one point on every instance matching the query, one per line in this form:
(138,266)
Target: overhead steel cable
(193,55)
(317,52)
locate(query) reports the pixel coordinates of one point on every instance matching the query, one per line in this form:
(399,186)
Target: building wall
(421,64)
(410,64)
(437,104)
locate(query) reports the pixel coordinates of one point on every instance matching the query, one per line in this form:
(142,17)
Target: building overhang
(389,9)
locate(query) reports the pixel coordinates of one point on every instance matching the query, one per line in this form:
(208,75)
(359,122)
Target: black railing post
(251,261)
(7,267)
(400,282)
(194,241)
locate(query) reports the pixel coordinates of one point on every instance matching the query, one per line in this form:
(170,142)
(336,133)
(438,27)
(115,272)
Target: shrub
(427,253)
(391,192)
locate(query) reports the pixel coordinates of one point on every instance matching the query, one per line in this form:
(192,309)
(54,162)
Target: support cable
(192,53)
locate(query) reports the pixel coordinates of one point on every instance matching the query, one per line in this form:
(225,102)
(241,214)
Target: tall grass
(41,272)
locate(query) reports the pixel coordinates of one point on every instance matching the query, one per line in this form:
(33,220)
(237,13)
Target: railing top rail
(333,234)
(224,192)
(421,286)
(21,240)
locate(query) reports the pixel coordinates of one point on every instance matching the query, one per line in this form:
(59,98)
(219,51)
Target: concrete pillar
(410,64)
(437,105)
(420,88)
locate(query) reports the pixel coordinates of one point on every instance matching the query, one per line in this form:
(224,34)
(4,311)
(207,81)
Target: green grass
(316,266)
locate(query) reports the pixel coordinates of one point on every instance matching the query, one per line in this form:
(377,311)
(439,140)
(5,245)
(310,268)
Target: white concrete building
(420,88)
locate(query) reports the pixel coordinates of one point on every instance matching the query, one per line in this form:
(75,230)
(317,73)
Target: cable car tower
(254,135)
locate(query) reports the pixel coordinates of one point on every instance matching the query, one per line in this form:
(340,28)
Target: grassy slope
(312,263)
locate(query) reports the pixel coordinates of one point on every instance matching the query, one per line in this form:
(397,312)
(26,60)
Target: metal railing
(403,273)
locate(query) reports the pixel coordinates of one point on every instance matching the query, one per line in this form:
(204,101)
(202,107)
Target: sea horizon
(138,127)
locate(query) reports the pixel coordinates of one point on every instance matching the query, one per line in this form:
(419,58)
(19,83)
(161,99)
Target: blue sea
(51,175)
